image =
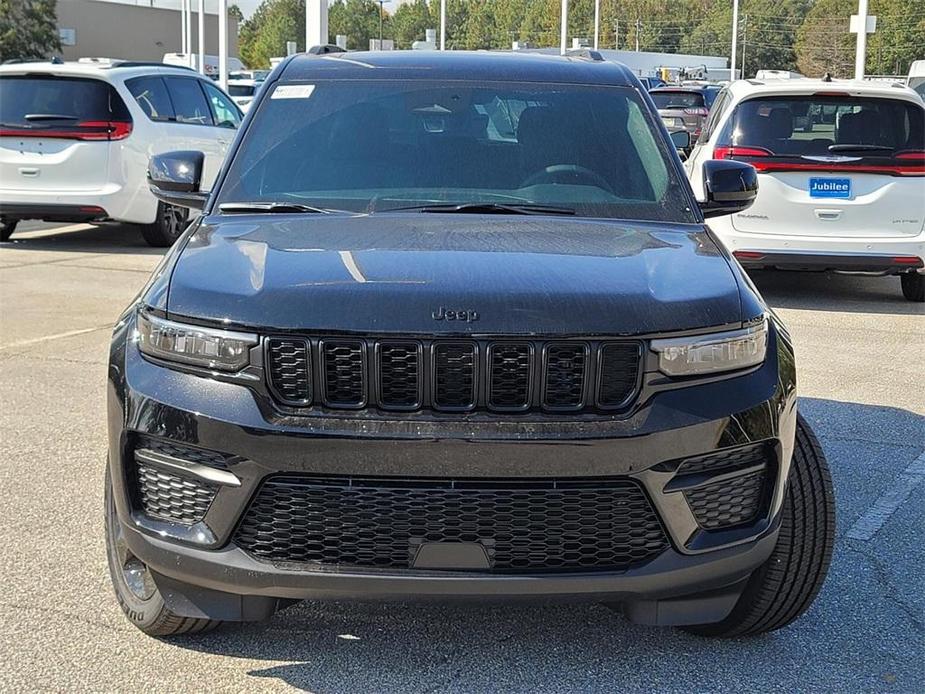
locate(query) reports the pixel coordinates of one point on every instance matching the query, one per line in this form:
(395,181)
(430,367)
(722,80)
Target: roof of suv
(468,65)
(804,86)
(102,69)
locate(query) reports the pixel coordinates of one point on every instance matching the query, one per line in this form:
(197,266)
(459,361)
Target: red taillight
(698,111)
(886,169)
(88,130)
(907,260)
(103,130)
(911,154)
(728,152)
(748,255)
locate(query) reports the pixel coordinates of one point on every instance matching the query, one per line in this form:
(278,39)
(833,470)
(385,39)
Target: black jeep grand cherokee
(451,326)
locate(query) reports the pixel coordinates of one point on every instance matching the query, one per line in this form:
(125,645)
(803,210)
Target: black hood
(391,273)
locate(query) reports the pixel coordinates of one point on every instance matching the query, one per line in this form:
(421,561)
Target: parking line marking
(886,505)
(56,336)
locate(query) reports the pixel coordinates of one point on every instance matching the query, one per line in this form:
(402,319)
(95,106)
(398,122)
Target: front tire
(138,596)
(7,227)
(913,284)
(167,226)
(784,587)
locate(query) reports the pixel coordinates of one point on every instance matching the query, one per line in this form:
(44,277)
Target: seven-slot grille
(584,524)
(454,375)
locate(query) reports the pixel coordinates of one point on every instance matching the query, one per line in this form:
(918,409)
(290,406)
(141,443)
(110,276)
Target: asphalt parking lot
(862,381)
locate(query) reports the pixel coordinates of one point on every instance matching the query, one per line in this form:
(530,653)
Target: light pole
(563,30)
(597,22)
(223,44)
(202,37)
(735,37)
(442,25)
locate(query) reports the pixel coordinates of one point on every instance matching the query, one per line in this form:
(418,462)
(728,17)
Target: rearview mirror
(174,178)
(729,187)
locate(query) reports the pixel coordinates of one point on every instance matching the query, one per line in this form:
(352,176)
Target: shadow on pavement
(83,238)
(859,635)
(820,291)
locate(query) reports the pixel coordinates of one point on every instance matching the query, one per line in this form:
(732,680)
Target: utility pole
(616,34)
(735,38)
(597,22)
(637,34)
(744,36)
(381,3)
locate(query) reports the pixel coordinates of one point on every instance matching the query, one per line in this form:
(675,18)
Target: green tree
(410,21)
(265,34)
(28,29)
(823,42)
(358,20)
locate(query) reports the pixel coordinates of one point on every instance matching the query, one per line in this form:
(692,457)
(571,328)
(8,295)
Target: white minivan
(75,139)
(841,170)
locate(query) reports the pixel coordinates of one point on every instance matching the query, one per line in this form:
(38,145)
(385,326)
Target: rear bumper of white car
(889,255)
(112,201)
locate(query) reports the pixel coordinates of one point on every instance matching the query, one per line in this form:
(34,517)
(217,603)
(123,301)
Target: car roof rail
(148,63)
(586,53)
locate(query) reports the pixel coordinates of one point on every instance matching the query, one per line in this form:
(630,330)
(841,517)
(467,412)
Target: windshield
(794,126)
(374,146)
(677,99)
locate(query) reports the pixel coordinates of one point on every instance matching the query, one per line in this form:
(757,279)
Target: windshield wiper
(271,208)
(859,148)
(48,116)
(487,208)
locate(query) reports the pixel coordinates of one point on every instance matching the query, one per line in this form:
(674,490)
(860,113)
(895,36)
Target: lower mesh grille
(162,494)
(523,525)
(729,502)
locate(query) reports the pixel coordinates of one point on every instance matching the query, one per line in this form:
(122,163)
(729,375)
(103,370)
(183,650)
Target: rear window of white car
(35,102)
(826,125)
(677,100)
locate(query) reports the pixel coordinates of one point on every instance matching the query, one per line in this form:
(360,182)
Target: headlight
(221,350)
(702,354)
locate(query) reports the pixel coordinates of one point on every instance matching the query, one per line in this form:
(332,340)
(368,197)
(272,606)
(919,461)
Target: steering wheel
(567,173)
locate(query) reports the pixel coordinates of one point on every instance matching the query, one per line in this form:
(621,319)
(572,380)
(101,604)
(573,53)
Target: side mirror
(729,187)
(681,139)
(174,178)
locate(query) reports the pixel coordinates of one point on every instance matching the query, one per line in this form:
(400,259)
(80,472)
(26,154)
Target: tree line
(810,36)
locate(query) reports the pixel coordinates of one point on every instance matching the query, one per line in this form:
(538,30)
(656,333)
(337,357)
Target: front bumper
(203,573)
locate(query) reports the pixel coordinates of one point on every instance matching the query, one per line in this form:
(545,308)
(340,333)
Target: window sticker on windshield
(293,91)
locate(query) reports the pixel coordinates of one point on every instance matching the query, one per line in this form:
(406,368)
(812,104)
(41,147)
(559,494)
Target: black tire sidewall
(163,232)
(142,613)
(913,286)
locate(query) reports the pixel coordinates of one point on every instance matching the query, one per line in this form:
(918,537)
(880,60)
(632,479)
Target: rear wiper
(271,208)
(488,208)
(49,116)
(860,148)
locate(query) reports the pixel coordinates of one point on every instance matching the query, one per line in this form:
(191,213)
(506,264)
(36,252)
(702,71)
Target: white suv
(841,169)
(75,139)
